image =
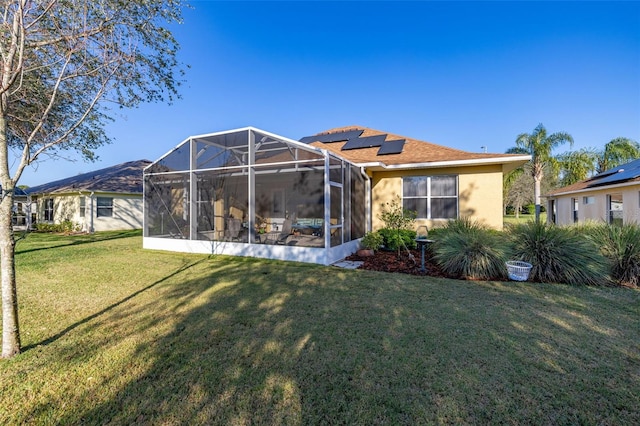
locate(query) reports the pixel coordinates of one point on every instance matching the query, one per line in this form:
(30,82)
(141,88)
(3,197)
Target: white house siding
(127,211)
(597,211)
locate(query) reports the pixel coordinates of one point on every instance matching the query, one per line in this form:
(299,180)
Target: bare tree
(63,63)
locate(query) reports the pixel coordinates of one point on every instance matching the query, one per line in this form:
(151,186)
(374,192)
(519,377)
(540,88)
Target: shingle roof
(413,152)
(629,172)
(122,178)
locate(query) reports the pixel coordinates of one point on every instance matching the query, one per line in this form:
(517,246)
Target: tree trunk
(10,328)
(536,194)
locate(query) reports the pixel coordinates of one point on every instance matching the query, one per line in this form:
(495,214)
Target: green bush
(621,246)
(372,240)
(398,224)
(558,254)
(65,227)
(393,239)
(467,249)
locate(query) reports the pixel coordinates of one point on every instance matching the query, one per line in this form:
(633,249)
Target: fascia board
(592,189)
(455,163)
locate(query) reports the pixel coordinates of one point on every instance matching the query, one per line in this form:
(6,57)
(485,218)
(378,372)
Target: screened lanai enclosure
(252,193)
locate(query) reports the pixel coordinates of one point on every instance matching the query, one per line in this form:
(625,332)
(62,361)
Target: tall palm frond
(540,146)
(577,165)
(616,152)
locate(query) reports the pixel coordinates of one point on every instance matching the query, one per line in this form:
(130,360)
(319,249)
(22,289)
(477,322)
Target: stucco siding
(479,193)
(126,213)
(592,204)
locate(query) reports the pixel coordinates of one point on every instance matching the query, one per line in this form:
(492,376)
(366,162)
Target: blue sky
(461,74)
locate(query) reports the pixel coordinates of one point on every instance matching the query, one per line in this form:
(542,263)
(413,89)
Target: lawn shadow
(111,307)
(78,239)
(259,342)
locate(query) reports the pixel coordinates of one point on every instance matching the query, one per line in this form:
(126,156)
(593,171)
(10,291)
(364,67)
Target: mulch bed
(388,261)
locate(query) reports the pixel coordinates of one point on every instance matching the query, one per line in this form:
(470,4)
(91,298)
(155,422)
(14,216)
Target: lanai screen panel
(290,195)
(357,203)
(167,205)
(222,198)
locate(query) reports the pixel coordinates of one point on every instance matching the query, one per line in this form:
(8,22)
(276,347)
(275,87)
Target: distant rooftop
(629,172)
(122,178)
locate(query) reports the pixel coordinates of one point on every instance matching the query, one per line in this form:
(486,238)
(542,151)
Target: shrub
(558,254)
(621,246)
(398,223)
(372,240)
(396,239)
(63,227)
(467,249)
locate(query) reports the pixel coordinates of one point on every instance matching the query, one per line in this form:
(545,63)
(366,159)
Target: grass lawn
(114,334)
(523,218)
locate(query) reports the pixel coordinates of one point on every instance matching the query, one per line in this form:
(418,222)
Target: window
(83,206)
(104,207)
(48,209)
(615,209)
(574,202)
(588,200)
(432,197)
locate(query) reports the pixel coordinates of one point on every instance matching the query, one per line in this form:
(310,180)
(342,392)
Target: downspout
(368,198)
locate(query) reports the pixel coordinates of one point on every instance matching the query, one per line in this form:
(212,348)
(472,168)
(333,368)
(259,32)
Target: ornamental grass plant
(558,254)
(621,246)
(470,250)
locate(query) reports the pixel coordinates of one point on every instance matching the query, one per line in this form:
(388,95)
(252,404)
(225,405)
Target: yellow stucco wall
(479,193)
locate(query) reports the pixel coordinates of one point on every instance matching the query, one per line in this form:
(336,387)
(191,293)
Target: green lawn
(114,334)
(523,218)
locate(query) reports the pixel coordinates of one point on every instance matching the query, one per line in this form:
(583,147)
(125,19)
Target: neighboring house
(103,200)
(21,209)
(253,193)
(612,196)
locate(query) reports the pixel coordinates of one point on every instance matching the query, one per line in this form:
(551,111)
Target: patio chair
(282,236)
(285,232)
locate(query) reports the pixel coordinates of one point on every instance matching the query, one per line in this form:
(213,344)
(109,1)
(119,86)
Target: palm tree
(617,152)
(540,145)
(577,165)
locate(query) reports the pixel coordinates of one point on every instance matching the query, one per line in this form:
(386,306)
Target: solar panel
(365,142)
(333,137)
(391,147)
(619,174)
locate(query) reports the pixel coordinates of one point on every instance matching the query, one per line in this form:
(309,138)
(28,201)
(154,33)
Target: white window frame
(83,206)
(104,208)
(48,209)
(429,197)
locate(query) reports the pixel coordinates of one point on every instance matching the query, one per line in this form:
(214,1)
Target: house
(612,196)
(21,209)
(253,193)
(102,200)
(438,182)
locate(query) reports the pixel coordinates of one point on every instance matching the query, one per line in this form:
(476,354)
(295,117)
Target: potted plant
(369,243)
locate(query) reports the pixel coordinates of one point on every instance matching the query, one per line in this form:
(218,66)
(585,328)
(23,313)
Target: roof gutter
(474,162)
